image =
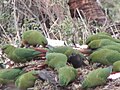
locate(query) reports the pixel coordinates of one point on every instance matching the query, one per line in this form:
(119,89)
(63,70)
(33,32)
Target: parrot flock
(105,49)
(63,59)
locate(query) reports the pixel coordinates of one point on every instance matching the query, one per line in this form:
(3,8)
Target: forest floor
(49,79)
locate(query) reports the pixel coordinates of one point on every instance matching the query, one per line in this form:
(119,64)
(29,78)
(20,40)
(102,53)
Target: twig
(86,28)
(5,33)
(28,9)
(45,28)
(55,23)
(16,21)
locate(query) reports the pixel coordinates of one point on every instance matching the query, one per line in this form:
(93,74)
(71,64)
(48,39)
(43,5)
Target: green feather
(116,66)
(96,77)
(9,75)
(66,75)
(20,55)
(26,80)
(34,37)
(8,49)
(105,56)
(64,50)
(112,47)
(101,36)
(95,44)
(56,60)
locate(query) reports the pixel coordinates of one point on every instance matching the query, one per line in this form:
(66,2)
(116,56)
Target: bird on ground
(112,47)
(74,57)
(34,38)
(9,75)
(96,77)
(56,60)
(26,80)
(19,55)
(116,66)
(104,56)
(101,36)
(77,60)
(66,75)
(95,44)
(62,49)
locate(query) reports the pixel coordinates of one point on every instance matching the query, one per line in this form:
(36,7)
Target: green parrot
(112,47)
(19,55)
(74,57)
(96,77)
(26,80)
(65,50)
(9,75)
(34,37)
(105,56)
(56,60)
(101,36)
(95,44)
(66,75)
(116,66)
(62,49)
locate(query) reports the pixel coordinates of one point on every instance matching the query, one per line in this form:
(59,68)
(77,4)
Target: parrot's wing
(25,53)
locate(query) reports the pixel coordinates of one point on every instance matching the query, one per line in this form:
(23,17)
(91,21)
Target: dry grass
(16,16)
